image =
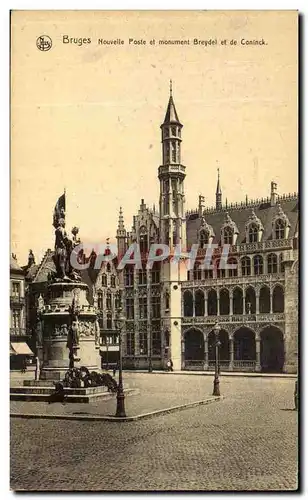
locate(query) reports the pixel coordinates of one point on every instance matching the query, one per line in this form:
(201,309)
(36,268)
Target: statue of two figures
(64,246)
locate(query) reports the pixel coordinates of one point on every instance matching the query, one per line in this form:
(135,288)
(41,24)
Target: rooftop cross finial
(170,88)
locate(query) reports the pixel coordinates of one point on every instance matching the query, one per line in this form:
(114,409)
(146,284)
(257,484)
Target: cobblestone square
(246,441)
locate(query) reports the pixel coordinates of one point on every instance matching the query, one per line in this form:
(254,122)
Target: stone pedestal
(56,318)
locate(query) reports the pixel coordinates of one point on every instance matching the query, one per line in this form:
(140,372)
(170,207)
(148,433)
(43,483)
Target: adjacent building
(20,337)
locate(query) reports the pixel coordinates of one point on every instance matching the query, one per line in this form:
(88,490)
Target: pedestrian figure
(170,365)
(24,366)
(59,395)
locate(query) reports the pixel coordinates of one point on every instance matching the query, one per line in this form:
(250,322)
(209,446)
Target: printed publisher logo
(44,43)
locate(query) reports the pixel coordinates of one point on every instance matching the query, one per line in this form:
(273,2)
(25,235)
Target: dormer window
(253,233)
(227,236)
(279,229)
(229,231)
(205,233)
(203,238)
(281,225)
(254,228)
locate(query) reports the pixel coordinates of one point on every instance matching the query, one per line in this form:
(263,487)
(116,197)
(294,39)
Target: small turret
(121,234)
(218,193)
(274,195)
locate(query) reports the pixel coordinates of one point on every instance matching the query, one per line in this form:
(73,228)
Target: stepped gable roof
(240,216)
(14,266)
(45,267)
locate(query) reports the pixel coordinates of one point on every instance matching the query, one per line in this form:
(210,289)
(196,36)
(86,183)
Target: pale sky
(88,117)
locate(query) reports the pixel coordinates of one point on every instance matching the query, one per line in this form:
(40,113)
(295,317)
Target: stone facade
(171,312)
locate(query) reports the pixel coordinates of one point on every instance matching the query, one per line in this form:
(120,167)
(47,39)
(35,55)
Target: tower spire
(170,88)
(218,192)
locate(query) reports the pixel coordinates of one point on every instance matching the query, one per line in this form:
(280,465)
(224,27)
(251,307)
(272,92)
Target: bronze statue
(64,245)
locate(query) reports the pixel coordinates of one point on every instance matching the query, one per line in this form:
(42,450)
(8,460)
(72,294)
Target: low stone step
(51,389)
(69,398)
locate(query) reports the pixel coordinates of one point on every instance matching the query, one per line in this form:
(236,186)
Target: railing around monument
(238,365)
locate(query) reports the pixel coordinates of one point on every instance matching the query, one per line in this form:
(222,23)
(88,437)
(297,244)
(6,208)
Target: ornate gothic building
(170,312)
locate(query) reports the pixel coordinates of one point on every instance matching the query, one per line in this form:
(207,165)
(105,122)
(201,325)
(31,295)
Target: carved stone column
(194,312)
(271,301)
(182,353)
(257,302)
(205,305)
(258,350)
(231,353)
(206,353)
(231,304)
(244,303)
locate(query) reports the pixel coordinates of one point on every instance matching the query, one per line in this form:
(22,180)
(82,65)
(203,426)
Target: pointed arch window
(109,321)
(197,272)
(108,300)
(232,272)
(272,266)
(258,265)
(281,265)
(246,266)
(112,281)
(142,277)
(220,271)
(100,303)
(143,243)
(104,280)
(129,276)
(173,146)
(155,273)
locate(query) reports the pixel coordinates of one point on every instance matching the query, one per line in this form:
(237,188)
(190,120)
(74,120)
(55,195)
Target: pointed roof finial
(171,114)
(218,189)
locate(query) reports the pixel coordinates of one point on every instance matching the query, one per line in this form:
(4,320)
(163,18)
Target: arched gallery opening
(194,345)
(188,303)
(223,350)
(272,350)
(244,345)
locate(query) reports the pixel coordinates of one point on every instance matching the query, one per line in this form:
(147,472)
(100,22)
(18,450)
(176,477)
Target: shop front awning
(21,348)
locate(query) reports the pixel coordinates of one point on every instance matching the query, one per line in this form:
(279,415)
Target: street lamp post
(120,393)
(216,388)
(150,368)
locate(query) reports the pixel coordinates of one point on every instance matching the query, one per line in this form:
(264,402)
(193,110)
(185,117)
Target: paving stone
(248,441)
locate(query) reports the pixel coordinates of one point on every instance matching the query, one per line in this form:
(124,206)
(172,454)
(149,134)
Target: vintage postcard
(154,251)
